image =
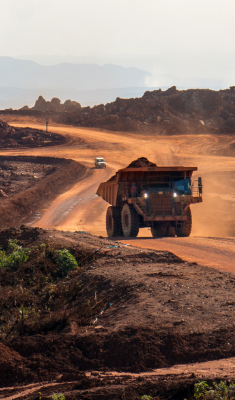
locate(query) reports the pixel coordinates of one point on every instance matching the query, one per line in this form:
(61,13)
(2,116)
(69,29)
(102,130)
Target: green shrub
(58,396)
(66,260)
(219,391)
(17,255)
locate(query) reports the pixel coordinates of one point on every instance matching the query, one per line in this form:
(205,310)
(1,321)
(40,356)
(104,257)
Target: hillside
(170,111)
(21,81)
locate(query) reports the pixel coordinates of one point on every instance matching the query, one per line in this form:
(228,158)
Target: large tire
(113,222)
(186,225)
(130,221)
(158,231)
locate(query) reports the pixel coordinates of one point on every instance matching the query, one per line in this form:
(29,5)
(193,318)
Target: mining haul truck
(145,195)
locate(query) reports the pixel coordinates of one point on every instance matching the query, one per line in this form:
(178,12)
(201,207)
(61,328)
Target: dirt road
(80,208)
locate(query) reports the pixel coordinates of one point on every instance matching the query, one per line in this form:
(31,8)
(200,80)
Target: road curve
(80,208)
(214,252)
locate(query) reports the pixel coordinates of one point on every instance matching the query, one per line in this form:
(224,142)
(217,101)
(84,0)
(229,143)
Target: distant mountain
(30,75)
(22,81)
(216,65)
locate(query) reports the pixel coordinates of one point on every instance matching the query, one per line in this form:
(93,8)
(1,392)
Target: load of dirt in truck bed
(11,137)
(141,162)
(26,183)
(72,303)
(166,112)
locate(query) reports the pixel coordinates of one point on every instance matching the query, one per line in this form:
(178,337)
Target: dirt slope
(122,310)
(27,195)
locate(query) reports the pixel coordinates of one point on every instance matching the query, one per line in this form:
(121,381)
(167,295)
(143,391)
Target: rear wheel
(130,221)
(113,222)
(158,231)
(186,226)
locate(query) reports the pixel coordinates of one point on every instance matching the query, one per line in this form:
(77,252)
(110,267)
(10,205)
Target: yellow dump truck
(145,195)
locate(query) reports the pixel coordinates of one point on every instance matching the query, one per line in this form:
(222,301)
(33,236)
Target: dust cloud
(215,216)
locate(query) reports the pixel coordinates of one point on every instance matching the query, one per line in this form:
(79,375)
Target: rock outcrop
(171,111)
(55,105)
(5,130)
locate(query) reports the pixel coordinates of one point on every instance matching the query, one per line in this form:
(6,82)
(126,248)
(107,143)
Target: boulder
(55,104)
(100,110)
(111,120)
(5,130)
(120,103)
(27,140)
(40,104)
(71,106)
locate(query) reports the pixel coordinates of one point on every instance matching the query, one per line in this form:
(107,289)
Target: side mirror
(200,185)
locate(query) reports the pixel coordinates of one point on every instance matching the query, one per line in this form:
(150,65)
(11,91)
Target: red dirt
(42,179)
(162,314)
(164,311)
(141,162)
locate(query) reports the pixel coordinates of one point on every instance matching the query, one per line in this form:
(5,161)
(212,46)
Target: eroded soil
(16,176)
(123,309)
(26,183)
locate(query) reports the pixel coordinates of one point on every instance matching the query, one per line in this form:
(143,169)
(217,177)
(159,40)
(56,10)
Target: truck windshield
(182,186)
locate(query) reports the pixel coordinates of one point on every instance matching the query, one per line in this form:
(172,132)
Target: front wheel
(130,221)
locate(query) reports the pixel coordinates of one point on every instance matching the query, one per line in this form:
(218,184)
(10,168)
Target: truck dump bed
(143,177)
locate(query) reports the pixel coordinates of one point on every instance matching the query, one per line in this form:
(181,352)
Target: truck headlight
(174,194)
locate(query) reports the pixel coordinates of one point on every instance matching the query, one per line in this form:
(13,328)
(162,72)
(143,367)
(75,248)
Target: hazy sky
(80,27)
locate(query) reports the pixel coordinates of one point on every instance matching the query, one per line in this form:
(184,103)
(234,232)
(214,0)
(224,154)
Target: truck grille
(161,204)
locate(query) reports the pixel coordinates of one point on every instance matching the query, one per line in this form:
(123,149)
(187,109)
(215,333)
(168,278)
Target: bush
(17,255)
(66,260)
(219,391)
(58,396)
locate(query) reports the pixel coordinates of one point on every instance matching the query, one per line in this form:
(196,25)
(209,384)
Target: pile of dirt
(26,137)
(121,309)
(141,162)
(26,183)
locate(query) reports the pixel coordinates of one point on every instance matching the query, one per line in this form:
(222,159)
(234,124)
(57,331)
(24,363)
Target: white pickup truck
(100,163)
